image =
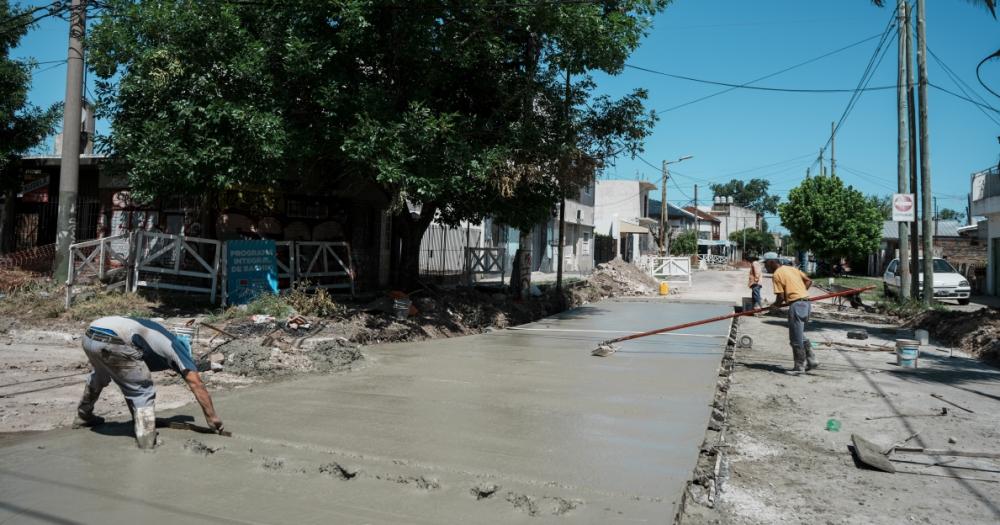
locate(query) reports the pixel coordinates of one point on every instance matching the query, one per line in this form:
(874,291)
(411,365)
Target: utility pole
(911,117)
(822,167)
(901,155)
(69,168)
(664,244)
(925,153)
(562,193)
(833,137)
(697,221)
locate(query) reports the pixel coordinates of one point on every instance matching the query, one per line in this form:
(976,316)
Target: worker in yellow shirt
(791,288)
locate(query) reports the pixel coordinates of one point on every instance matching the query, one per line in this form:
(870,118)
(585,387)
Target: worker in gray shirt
(125,350)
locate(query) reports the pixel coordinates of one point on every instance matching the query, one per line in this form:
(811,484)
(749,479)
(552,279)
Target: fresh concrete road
(512,426)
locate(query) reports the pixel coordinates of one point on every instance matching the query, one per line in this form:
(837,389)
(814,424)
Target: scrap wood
(221,331)
(870,348)
(945,452)
(939,396)
(943,412)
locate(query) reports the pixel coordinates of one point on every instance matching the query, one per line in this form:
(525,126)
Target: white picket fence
(674,270)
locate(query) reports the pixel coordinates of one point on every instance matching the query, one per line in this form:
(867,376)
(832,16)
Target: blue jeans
(755,292)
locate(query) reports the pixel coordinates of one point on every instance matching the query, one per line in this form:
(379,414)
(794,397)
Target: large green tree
(458,107)
(830,219)
(751,194)
(22,124)
(948,214)
(753,241)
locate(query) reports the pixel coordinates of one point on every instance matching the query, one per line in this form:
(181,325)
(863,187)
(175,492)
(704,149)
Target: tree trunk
(407,232)
(7,222)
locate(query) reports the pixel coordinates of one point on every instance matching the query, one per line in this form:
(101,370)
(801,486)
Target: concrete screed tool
(609,347)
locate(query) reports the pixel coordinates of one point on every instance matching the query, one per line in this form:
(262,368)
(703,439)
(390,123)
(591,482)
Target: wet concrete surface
(506,427)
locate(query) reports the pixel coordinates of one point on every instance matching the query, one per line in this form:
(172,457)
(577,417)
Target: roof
(628,227)
(703,215)
(890,229)
(653,210)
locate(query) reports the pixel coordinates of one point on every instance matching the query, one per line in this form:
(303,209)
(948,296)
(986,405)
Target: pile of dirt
(250,357)
(977,333)
(616,278)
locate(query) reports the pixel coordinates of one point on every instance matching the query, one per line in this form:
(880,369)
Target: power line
(866,76)
(758,88)
(800,64)
(967,99)
(959,83)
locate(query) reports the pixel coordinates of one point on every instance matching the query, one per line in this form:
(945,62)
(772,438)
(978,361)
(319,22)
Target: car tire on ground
(963,302)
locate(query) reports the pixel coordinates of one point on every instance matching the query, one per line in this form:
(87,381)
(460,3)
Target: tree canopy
(753,241)
(948,214)
(462,108)
(830,219)
(22,124)
(751,194)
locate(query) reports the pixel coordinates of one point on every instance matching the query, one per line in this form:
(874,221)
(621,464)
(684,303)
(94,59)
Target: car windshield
(940,266)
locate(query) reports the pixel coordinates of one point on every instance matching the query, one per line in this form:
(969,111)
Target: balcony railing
(986,184)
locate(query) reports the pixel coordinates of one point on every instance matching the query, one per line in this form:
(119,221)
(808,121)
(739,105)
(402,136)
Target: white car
(948,283)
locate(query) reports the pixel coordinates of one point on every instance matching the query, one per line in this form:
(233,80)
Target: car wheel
(963,302)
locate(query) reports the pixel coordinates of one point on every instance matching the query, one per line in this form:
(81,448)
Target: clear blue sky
(736,41)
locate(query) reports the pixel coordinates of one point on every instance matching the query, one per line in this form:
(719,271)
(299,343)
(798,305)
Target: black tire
(963,302)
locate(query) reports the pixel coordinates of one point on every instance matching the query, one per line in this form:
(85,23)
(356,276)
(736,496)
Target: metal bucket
(401,307)
(907,353)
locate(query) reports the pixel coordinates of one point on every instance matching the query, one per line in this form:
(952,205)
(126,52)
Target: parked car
(948,283)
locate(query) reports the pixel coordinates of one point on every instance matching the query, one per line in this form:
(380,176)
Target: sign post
(903,208)
(251,270)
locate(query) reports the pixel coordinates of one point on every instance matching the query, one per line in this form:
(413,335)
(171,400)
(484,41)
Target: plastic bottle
(833,425)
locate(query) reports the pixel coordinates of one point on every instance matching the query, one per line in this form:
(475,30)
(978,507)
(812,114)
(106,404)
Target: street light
(664,241)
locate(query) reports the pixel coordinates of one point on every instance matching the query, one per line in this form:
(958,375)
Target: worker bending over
(791,288)
(125,350)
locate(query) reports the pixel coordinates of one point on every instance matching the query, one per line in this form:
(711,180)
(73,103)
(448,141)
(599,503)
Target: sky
(743,133)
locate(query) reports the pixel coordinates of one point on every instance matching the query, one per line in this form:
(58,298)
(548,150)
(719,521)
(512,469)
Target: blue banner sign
(251,269)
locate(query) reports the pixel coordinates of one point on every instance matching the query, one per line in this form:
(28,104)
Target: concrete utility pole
(925,153)
(562,192)
(69,169)
(901,158)
(911,118)
(663,211)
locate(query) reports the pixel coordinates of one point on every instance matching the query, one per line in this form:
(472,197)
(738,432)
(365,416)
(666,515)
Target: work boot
(811,362)
(145,427)
(799,356)
(85,410)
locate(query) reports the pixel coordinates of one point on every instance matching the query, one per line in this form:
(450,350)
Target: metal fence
(443,252)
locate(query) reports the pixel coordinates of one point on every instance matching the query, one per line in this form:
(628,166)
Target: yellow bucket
(664,288)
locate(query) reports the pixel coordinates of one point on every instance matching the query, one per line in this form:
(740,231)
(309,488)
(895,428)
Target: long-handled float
(609,347)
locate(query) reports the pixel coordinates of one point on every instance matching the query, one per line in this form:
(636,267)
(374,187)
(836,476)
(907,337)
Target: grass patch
(908,308)
(871,296)
(40,299)
(296,301)
(103,304)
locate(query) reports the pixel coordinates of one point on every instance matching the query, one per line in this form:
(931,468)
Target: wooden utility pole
(697,221)
(911,118)
(664,245)
(69,168)
(822,167)
(901,155)
(833,139)
(925,153)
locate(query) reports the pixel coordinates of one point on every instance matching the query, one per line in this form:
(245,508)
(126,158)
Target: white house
(986,203)
(621,209)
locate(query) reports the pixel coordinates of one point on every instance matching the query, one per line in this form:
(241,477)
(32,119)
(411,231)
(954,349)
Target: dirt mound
(977,333)
(249,357)
(612,279)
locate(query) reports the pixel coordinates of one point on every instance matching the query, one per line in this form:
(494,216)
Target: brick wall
(961,251)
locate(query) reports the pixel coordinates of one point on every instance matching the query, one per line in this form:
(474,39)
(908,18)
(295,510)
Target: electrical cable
(967,99)
(800,64)
(959,83)
(758,88)
(980,78)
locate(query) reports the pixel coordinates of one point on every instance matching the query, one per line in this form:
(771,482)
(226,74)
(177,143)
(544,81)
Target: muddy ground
(42,369)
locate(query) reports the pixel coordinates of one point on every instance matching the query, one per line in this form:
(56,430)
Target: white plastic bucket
(922,336)
(907,353)
(401,307)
